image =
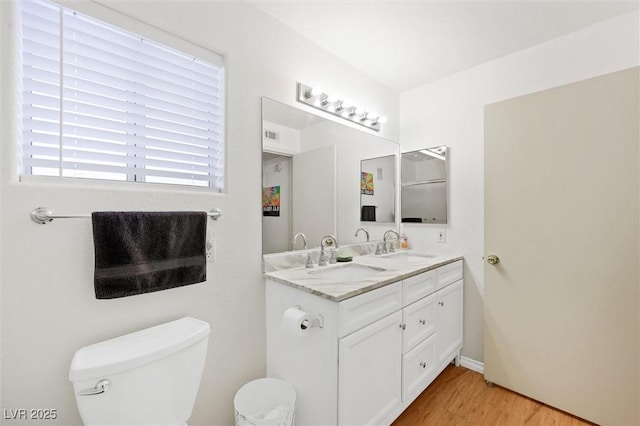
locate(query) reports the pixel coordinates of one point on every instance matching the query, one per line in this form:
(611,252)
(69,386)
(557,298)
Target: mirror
(377,189)
(311,178)
(424,186)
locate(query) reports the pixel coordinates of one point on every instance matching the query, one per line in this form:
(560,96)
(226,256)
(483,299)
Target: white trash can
(265,402)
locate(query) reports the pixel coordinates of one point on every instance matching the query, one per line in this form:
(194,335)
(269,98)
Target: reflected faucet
(389,247)
(363,230)
(327,240)
(304,239)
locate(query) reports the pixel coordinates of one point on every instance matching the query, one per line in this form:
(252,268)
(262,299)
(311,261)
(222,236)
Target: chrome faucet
(389,247)
(304,239)
(363,230)
(327,240)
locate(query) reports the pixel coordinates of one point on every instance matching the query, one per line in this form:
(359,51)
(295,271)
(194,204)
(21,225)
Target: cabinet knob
(423,321)
(423,364)
(403,326)
(441,303)
(492,259)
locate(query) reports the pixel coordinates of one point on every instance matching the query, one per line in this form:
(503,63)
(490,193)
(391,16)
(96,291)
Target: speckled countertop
(386,269)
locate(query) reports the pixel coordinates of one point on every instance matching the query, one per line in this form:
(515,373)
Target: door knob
(492,259)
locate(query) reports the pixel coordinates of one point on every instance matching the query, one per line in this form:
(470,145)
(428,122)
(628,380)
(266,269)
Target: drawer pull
(423,321)
(423,364)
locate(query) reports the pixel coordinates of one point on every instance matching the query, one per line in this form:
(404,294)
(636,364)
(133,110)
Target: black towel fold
(368,214)
(143,252)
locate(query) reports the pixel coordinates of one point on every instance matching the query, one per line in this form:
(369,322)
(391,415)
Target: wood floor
(461,397)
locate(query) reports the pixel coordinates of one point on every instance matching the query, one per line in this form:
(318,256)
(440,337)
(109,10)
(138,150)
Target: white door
(314,210)
(561,215)
(370,373)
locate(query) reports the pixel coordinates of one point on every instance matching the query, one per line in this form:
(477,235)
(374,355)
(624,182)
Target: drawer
(417,287)
(366,308)
(418,369)
(449,274)
(419,319)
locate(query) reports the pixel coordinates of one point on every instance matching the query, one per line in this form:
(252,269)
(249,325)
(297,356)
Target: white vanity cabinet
(375,353)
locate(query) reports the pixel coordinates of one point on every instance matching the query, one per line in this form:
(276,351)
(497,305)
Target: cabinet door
(369,387)
(449,321)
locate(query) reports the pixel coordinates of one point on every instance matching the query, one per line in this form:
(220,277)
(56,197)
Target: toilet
(150,377)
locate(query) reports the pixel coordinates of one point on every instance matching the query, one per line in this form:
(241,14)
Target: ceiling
(404,44)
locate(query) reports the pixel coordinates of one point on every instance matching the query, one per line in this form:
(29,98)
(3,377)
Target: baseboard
(472,364)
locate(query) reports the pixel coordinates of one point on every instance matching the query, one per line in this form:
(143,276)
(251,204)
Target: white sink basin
(407,257)
(346,273)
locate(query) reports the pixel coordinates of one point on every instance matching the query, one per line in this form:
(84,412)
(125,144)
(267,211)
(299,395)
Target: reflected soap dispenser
(404,242)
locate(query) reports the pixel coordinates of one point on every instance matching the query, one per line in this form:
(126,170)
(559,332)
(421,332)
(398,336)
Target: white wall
(383,170)
(314,208)
(450,112)
(48,306)
(352,146)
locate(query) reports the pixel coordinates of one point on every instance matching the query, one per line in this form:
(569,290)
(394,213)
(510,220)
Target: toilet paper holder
(318,321)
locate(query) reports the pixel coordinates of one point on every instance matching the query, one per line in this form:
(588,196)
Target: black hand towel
(143,252)
(368,214)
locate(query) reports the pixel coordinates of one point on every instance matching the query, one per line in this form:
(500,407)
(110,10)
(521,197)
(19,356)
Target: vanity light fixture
(343,108)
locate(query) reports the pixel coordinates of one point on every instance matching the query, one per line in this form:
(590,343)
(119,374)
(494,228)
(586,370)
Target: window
(100,102)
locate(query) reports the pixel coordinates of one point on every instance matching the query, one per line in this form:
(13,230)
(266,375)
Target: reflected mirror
(424,185)
(377,189)
(311,178)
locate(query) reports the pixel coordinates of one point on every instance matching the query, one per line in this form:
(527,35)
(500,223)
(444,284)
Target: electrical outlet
(442,236)
(211,251)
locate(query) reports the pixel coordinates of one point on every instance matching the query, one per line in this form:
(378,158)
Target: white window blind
(100,102)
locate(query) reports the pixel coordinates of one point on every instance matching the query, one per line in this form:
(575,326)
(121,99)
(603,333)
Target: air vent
(269,134)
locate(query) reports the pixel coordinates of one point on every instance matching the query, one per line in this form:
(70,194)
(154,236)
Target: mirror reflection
(311,179)
(424,185)
(377,189)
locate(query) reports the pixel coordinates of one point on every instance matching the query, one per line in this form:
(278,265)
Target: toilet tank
(151,376)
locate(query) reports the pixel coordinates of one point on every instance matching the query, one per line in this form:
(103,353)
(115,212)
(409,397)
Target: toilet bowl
(150,377)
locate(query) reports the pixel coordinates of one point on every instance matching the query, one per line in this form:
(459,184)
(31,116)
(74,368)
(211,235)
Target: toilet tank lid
(136,349)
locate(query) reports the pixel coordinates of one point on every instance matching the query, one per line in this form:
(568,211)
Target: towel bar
(43,215)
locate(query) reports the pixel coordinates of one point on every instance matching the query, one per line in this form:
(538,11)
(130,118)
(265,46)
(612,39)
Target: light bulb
(313,92)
